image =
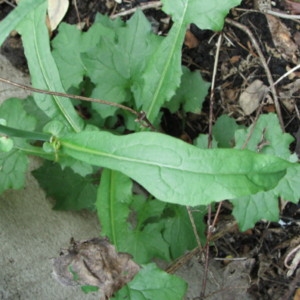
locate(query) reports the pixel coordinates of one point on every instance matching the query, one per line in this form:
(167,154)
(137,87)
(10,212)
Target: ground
(260,273)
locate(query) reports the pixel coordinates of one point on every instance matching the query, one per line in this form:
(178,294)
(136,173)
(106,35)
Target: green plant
(127,64)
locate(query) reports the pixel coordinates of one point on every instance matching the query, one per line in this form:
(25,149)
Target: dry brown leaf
(56,11)
(190,40)
(250,98)
(282,39)
(234,59)
(95,262)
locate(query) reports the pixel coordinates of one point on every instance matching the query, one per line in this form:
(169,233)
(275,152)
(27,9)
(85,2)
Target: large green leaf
(113,201)
(16,16)
(174,171)
(162,75)
(43,70)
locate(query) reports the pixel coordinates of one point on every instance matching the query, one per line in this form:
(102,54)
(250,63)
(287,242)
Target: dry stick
(286,74)
(212,91)
(149,5)
(77,12)
(141,116)
(270,12)
(194,228)
(264,64)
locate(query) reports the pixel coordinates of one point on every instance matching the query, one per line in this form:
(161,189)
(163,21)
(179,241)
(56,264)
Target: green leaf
(178,230)
(250,209)
(17,15)
(113,202)
(224,130)
(174,171)
(6,144)
(267,137)
(70,190)
(117,63)
(202,142)
(148,209)
(89,288)
(12,110)
(66,51)
(162,75)
(205,14)
(13,164)
(152,283)
(289,186)
(191,93)
(43,70)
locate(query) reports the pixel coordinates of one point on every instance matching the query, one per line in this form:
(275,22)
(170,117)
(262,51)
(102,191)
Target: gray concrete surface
(31,233)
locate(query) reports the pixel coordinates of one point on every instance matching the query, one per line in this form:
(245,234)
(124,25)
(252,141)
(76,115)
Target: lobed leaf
(13,164)
(178,231)
(153,283)
(191,93)
(70,190)
(174,171)
(205,14)
(267,137)
(118,62)
(66,51)
(251,209)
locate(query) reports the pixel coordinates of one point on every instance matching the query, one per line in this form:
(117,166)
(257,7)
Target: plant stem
(31,135)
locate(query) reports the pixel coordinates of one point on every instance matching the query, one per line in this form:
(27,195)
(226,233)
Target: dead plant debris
(96,263)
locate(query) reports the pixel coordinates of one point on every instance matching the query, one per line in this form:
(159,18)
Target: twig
(77,12)
(141,116)
(212,94)
(264,64)
(149,5)
(271,12)
(188,208)
(286,74)
(7,2)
